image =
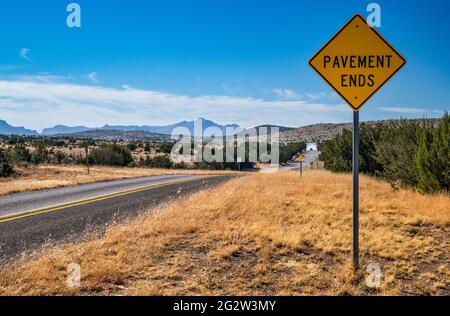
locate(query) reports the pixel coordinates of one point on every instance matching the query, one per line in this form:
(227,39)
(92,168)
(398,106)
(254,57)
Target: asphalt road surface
(33,219)
(309,156)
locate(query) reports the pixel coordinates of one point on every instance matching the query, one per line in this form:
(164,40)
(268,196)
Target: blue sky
(244,62)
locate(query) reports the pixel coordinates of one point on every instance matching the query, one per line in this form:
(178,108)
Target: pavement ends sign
(357,62)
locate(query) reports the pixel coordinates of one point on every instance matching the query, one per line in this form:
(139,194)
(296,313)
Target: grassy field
(265,234)
(48,176)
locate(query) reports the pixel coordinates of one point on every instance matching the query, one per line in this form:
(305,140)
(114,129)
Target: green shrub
(111,155)
(404,152)
(60,157)
(396,151)
(432,160)
(40,155)
(165,148)
(6,166)
(337,152)
(132,146)
(159,162)
(20,154)
(148,147)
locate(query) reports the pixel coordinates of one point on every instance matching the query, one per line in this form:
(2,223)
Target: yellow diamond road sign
(357,62)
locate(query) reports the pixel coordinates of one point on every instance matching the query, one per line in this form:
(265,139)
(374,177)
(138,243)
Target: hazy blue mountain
(6,129)
(62,129)
(189,125)
(165,129)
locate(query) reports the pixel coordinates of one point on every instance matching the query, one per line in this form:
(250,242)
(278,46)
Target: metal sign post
(300,159)
(356,63)
(87,159)
(301,169)
(355,163)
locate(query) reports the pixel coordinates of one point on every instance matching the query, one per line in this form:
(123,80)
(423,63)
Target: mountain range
(165,129)
(7,129)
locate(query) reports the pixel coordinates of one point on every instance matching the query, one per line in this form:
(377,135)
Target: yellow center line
(62,206)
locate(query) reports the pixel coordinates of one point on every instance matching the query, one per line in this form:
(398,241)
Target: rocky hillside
(313,133)
(322,132)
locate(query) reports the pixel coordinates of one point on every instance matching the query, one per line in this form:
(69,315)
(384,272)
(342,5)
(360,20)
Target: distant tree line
(21,152)
(406,153)
(17,150)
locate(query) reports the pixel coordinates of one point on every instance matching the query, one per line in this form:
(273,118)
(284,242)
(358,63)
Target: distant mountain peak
(63,129)
(6,129)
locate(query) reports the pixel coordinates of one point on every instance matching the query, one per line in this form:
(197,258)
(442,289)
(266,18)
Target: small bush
(40,155)
(165,148)
(159,162)
(20,154)
(6,167)
(111,155)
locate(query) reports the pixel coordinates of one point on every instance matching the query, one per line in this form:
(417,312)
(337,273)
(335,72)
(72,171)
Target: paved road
(30,220)
(308,157)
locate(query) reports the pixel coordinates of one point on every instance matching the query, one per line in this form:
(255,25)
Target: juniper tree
(433,158)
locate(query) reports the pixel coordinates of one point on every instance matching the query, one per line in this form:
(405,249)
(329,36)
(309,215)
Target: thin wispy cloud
(290,94)
(93,77)
(43,77)
(316,96)
(37,103)
(24,53)
(285,93)
(407,110)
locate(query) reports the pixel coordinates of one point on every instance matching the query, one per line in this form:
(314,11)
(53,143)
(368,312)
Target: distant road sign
(357,62)
(300,158)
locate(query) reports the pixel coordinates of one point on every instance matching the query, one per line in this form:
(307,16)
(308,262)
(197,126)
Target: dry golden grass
(265,234)
(48,177)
